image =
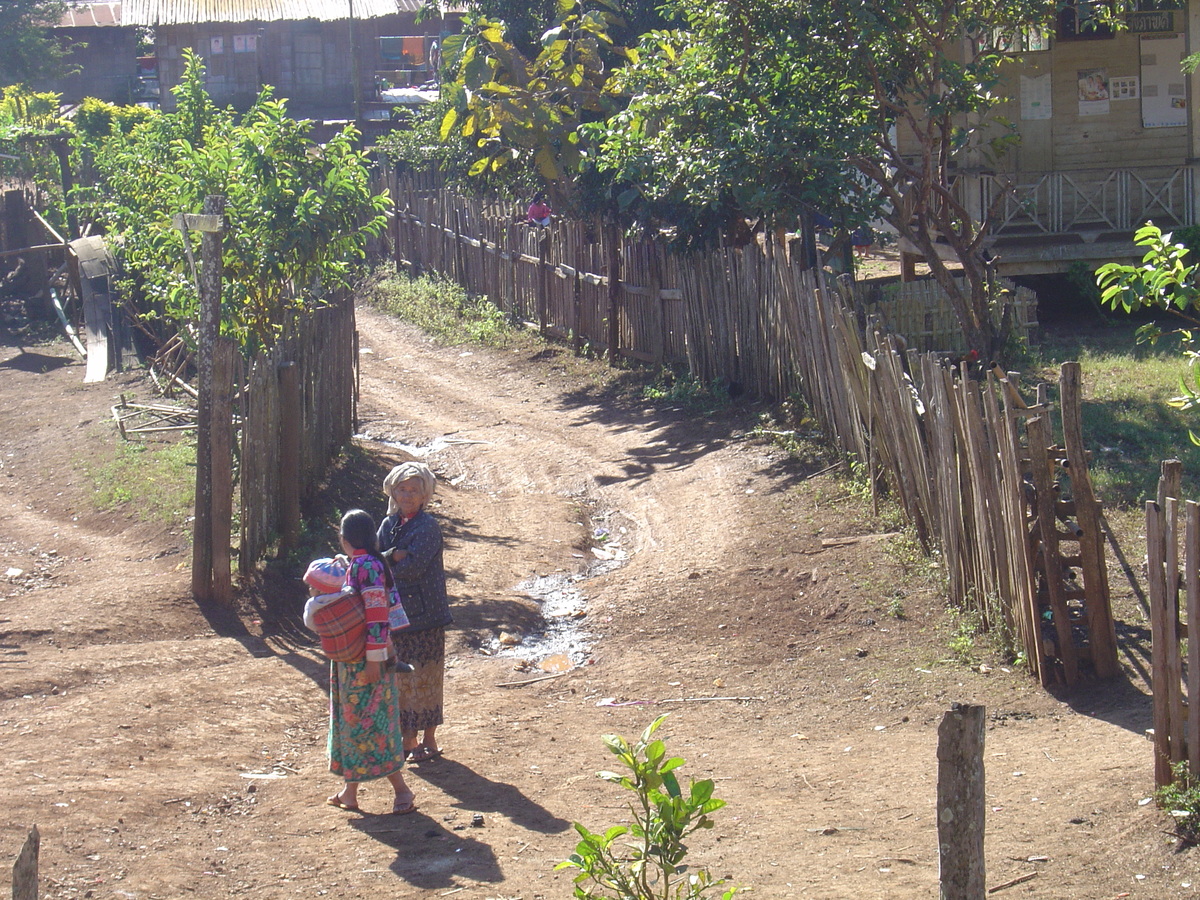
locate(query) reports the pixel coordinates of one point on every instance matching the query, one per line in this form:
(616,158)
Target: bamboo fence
(322,345)
(975,467)
(719,313)
(918,310)
(1176,733)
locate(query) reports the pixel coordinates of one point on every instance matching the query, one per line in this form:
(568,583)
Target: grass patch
(157,483)
(678,388)
(440,308)
(791,427)
(1128,421)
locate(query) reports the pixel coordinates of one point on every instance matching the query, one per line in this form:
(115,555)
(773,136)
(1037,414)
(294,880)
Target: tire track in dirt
(657,469)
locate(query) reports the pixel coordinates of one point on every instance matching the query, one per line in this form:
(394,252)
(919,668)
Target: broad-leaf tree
(521,112)
(299,213)
(27,49)
(844,106)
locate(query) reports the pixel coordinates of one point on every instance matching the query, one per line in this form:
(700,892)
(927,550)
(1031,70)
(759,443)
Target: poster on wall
(1093,92)
(1123,88)
(1035,97)
(1164,91)
(216,45)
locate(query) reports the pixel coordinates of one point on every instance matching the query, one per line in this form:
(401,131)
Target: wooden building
(103,53)
(314,52)
(1109,138)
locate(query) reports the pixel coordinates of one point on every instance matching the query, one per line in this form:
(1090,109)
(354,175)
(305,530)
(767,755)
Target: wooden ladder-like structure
(1064,541)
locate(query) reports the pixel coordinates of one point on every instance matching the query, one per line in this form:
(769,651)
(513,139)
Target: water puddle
(564,641)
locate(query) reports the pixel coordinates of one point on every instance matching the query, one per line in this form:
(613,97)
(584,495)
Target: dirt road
(165,751)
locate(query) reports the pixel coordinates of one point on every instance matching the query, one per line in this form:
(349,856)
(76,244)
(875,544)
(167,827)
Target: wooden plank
(1191,580)
(1097,605)
(1160,614)
(1039,437)
(205,222)
(25,869)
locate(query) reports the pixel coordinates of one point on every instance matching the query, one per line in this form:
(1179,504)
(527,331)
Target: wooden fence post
(221,446)
(1160,617)
(289,453)
(1191,569)
(960,803)
(25,869)
(1101,628)
(614,294)
(543,280)
(210,325)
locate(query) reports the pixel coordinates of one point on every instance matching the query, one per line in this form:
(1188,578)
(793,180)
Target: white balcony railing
(1088,203)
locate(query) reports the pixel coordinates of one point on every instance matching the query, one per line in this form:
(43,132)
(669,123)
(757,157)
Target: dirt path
(166,753)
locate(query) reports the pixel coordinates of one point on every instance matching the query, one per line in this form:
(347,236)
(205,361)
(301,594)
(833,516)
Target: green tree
(728,119)
(299,213)
(27,50)
(1166,280)
(526,21)
(524,113)
(763,108)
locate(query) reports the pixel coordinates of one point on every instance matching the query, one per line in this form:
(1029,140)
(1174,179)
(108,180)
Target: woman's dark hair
(358,529)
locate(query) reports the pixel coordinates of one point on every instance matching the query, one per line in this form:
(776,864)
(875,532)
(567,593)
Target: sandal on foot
(421,753)
(336,800)
(399,809)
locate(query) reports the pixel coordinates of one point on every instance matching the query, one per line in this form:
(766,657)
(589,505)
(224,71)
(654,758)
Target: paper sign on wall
(1036,97)
(1164,91)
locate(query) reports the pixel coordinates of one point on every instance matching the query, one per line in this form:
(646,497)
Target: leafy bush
(1181,798)
(24,114)
(298,213)
(686,390)
(96,119)
(644,860)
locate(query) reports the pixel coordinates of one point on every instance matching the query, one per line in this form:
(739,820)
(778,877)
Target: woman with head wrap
(413,547)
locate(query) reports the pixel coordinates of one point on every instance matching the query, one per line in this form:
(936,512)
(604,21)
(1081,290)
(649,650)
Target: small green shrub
(644,860)
(1181,799)
(684,389)
(791,427)
(441,308)
(964,627)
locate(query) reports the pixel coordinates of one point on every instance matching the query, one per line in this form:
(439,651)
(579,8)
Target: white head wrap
(403,472)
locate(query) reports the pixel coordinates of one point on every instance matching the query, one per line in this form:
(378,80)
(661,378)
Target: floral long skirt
(364,724)
(421,690)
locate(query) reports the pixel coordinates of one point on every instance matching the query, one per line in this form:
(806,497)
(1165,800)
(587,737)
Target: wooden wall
(1070,141)
(107,62)
(307,61)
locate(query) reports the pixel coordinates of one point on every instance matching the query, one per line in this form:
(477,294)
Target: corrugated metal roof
(193,12)
(92,14)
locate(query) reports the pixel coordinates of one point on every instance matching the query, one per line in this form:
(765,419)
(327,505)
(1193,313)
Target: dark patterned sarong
(420,690)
